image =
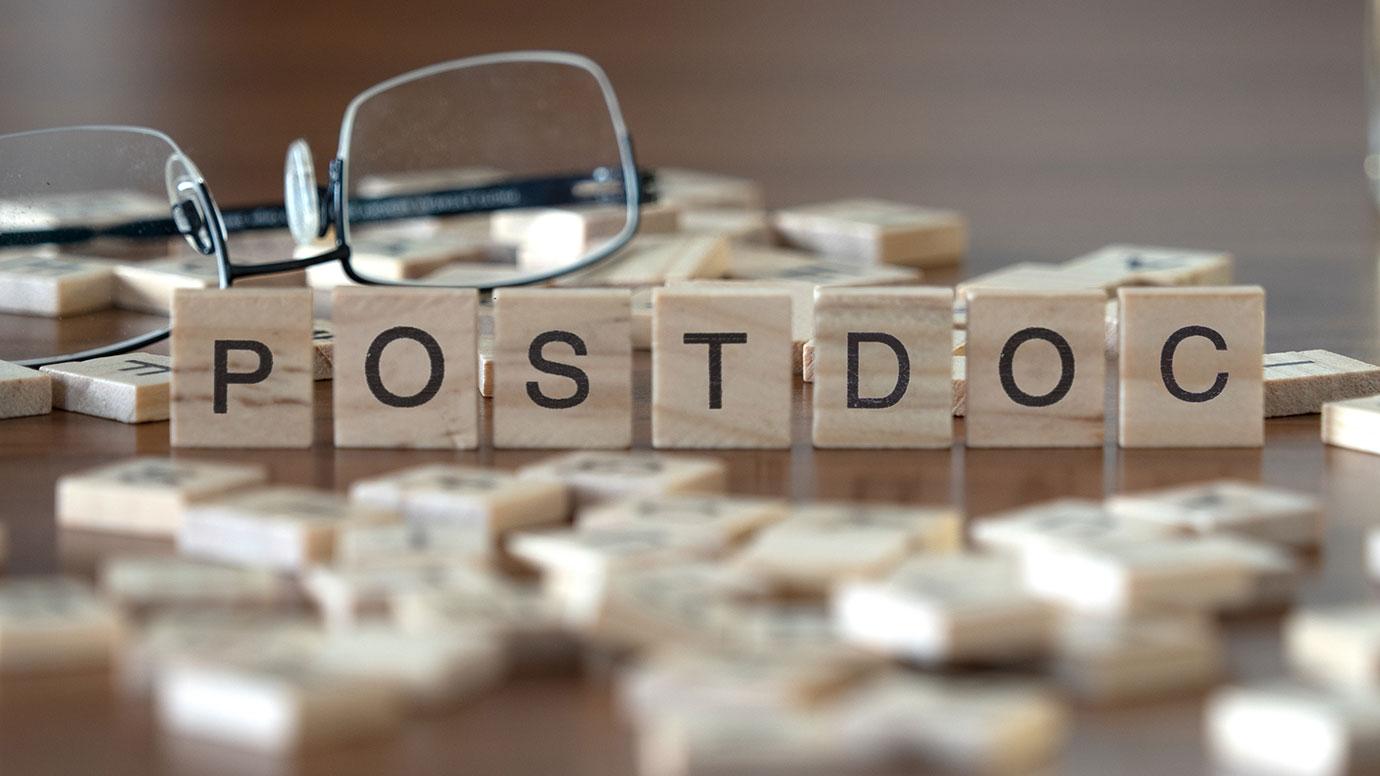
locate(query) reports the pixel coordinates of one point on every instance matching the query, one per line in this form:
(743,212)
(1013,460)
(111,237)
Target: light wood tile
(1256,729)
(725,520)
(1227,506)
(50,624)
(131,388)
(595,476)
(146,495)
(485,501)
(150,582)
(54,287)
(1141,265)
(1300,383)
(24,391)
(721,365)
(697,188)
(278,527)
(1336,645)
(562,368)
(881,361)
(655,259)
(1118,660)
(946,609)
(761,262)
(1035,368)
(322,349)
(740,225)
(407,363)
(148,285)
(876,231)
(1191,367)
(261,394)
(1353,424)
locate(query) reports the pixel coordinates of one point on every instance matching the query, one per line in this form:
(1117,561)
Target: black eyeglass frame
(334,205)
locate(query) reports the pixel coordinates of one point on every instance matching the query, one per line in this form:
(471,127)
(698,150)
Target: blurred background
(1056,126)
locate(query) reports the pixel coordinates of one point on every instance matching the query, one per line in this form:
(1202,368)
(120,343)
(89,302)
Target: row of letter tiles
(1191,368)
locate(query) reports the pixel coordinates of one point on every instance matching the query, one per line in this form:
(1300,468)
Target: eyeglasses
(497,170)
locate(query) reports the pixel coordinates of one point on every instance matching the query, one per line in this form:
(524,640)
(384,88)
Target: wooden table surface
(1056,127)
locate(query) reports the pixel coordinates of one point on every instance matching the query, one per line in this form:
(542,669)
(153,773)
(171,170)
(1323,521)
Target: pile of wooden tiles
(745,633)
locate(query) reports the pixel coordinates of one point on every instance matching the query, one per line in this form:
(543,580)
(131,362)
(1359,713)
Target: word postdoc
(405,363)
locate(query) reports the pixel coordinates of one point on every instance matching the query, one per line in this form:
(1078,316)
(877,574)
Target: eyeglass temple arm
(531,192)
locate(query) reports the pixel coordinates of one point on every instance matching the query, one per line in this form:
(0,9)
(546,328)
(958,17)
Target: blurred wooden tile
(946,609)
(876,231)
(968,724)
(1300,383)
(24,391)
(696,188)
(54,624)
(761,262)
(402,257)
(487,501)
(1035,365)
(1125,577)
(821,545)
(407,368)
(721,368)
(1336,645)
(641,320)
(432,670)
(322,349)
(180,633)
(1024,276)
(149,581)
(131,388)
(242,368)
(486,364)
(280,527)
(562,368)
(807,361)
(274,703)
(718,740)
(347,595)
(1228,506)
(594,476)
(655,259)
(147,286)
(677,680)
(1259,729)
(54,287)
(403,543)
(1116,660)
(1191,367)
(552,238)
(146,495)
(1055,523)
(726,520)
(1354,424)
(742,225)
(901,393)
(1140,265)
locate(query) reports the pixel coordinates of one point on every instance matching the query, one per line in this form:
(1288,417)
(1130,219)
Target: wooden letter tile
(1138,265)
(1113,660)
(946,609)
(1191,367)
(146,495)
(132,388)
(1036,368)
(24,391)
(54,624)
(1338,645)
(405,367)
(487,501)
(1301,383)
(242,368)
(54,287)
(655,259)
(562,368)
(881,360)
(727,520)
(597,476)
(323,349)
(1354,424)
(1261,729)
(1245,509)
(281,527)
(148,286)
(694,188)
(876,231)
(721,368)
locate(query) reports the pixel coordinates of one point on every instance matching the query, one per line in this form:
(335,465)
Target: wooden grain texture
(562,368)
(1207,392)
(272,411)
(862,397)
(1035,368)
(24,391)
(404,365)
(745,402)
(1300,383)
